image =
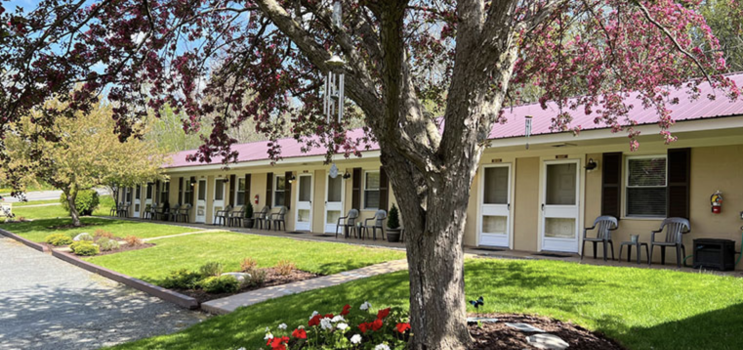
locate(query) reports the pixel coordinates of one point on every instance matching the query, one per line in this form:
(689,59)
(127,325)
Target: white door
(333,202)
(560,206)
(219,194)
(137,201)
(201,202)
(304,203)
(148,196)
(495,205)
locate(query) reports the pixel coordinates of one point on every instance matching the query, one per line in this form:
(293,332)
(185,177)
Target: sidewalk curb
(40,247)
(162,293)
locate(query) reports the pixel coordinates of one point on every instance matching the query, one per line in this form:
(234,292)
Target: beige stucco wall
(525,230)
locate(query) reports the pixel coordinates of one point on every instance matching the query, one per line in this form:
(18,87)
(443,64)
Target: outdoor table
(637,244)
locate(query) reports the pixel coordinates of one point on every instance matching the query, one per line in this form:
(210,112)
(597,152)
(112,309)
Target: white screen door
(304,203)
(219,194)
(333,202)
(137,201)
(201,202)
(495,206)
(560,206)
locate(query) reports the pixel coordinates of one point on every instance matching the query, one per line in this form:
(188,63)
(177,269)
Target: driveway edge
(40,247)
(162,293)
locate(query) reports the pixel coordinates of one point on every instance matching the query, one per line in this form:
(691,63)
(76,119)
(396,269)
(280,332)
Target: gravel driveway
(46,303)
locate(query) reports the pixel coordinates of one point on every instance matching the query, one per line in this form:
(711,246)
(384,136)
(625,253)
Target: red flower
(329,315)
(278,343)
(363,327)
(346,310)
(402,327)
(377,324)
(383,313)
(314,321)
(302,334)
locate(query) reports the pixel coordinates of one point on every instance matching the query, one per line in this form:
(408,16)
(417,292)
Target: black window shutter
(192,185)
(157,192)
(247,189)
(287,189)
(611,181)
(180,190)
(269,189)
(356,193)
(679,180)
(384,184)
(233,179)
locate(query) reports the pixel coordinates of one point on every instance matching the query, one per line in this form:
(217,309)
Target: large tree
(261,58)
(85,154)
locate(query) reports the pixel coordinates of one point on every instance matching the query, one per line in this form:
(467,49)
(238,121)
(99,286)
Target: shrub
(211,269)
(285,267)
(107,244)
(86,202)
(84,248)
(132,241)
(248,264)
(249,210)
(84,237)
(58,239)
(257,277)
(103,233)
(393,219)
(220,284)
(181,279)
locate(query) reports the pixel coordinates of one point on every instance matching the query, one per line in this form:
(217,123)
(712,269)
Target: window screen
(646,186)
(371,190)
(278,194)
(240,196)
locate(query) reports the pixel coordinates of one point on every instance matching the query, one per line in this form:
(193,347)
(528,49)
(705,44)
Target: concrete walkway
(46,303)
(229,304)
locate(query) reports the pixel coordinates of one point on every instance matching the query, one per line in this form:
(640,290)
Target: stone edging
(162,293)
(40,247)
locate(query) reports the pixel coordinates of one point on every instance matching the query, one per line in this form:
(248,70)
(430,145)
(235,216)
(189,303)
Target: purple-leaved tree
(257,59)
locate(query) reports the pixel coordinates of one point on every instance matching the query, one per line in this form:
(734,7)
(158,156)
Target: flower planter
(393,235)
(248,223)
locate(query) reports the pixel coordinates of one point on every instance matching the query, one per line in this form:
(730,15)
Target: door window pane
(496,185)
(305,188)
(303,215)
(138,192)
(559,227)
(334,189)
(561,184)
(219,194)
(333,216)
(202,190)
(494,224)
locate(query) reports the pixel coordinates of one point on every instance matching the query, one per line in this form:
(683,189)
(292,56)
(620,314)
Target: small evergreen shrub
(211,269)
(84,248)
(132,241)
(86,202)
(285,267)
(220,284)
(181,279)
(106,244)
(248,264)
(393,219)
(58,239)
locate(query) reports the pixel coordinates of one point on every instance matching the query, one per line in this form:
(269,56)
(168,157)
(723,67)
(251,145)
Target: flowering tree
(260,58)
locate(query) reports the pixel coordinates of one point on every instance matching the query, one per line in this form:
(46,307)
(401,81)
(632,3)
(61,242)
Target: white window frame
(237,191)
(363,189)
(276,190)
(626,186)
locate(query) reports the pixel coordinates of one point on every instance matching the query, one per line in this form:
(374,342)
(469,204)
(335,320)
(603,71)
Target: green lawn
(22,209)
(642,308)
(38,229)
(45,201)
(192,251)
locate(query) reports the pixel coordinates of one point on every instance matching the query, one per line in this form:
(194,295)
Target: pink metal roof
(686,109)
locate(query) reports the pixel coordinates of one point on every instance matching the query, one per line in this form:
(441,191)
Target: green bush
(181,279)
(85,202)
(220,284)
(84,248)
(107,244)
(58,239)
(257,277)
(211,269)
(393,219)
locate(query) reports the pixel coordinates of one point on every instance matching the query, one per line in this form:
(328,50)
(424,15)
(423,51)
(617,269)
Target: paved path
(46,303)
(230,303)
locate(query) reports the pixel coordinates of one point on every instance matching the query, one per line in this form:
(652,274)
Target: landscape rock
(239,276)
(525,327)
(84,236)
(547,341)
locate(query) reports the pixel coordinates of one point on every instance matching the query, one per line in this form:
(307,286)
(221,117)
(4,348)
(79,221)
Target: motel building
(538,198)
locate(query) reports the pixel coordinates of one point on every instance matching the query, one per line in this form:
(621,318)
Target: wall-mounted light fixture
(193,182)
(346,175)
(292,179)
(591,165)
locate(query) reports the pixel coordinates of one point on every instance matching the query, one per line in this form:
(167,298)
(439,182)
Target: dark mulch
(126,248)
(499,336)
(272,279)
(69,226)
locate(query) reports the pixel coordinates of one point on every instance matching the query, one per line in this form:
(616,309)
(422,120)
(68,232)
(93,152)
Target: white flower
(365,306)
(268,330)
(282,326)
(300,327)
(382,347)
(342,326)
(268,336)
(313,314)
(338,319)
(242,348)
(356,339)
(325,323)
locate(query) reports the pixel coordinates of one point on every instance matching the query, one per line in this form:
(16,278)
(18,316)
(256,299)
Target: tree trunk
(71,197)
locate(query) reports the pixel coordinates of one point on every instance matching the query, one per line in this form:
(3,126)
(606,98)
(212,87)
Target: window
(137,194)
(371,190)
(188,194)
(240,194)
(164,192)
(149,191)
(278,193)
(646,181)
(128,191)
